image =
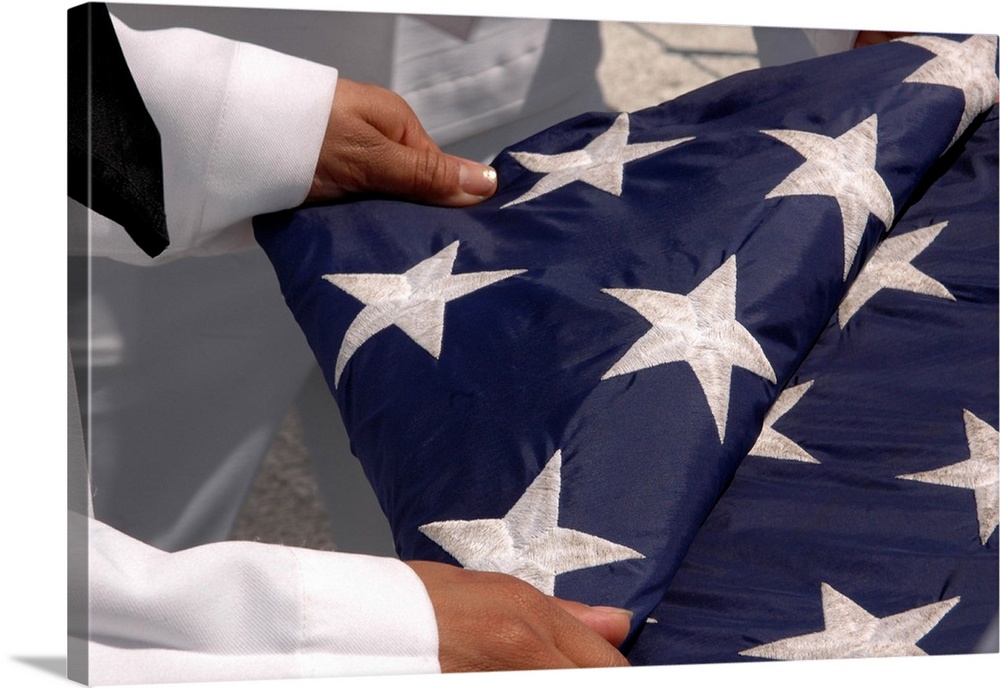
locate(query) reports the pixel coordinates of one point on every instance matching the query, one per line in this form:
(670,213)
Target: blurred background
(643,64)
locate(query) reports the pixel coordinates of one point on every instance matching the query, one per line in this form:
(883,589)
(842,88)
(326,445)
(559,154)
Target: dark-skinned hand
(374,143)
(495,622)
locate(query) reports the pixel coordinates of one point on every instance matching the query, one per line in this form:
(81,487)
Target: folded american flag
(671,367)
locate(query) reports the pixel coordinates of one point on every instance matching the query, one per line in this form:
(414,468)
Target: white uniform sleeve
(241,128)
(244,610)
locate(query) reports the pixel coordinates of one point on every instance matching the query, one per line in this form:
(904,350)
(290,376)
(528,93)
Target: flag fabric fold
(874,492)
(562,382)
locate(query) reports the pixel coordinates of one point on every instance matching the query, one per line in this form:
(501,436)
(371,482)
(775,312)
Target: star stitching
(978,473)
(413,301)
(965,65)
(850,631)
(700,329)
(844,168)
(890,268)
(771,443)
(601,163)
(528,542)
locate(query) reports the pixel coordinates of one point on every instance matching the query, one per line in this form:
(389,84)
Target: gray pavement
(646,64)
(643,64)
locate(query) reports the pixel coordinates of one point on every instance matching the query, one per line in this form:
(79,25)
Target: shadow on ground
(51,665)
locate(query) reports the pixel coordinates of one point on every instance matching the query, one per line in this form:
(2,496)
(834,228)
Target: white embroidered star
(889,268)
(850,631)
(978,473)
(413,301)
(843,168)
(601,163)
(701,329)
(527,542)
(966,65)
(772,443)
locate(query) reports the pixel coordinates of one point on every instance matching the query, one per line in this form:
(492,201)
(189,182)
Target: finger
(544,635)
(432,177)
(611,623)
(503,647)
(583,645)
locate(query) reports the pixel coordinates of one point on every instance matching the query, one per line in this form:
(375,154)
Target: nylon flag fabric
(680,364)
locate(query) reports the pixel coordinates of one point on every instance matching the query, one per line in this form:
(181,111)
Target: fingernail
(614,610)
(477,180)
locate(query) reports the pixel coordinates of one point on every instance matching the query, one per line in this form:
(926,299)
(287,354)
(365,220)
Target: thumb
(436,178)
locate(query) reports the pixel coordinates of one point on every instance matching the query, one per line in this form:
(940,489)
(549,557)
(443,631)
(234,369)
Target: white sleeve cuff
(247,610)
(269,134)
(372,615)
(241,128)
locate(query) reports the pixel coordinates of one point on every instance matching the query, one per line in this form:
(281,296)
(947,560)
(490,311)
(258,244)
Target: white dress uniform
(193,363)
(223,610)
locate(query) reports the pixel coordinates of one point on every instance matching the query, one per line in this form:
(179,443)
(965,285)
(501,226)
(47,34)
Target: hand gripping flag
(673,366)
